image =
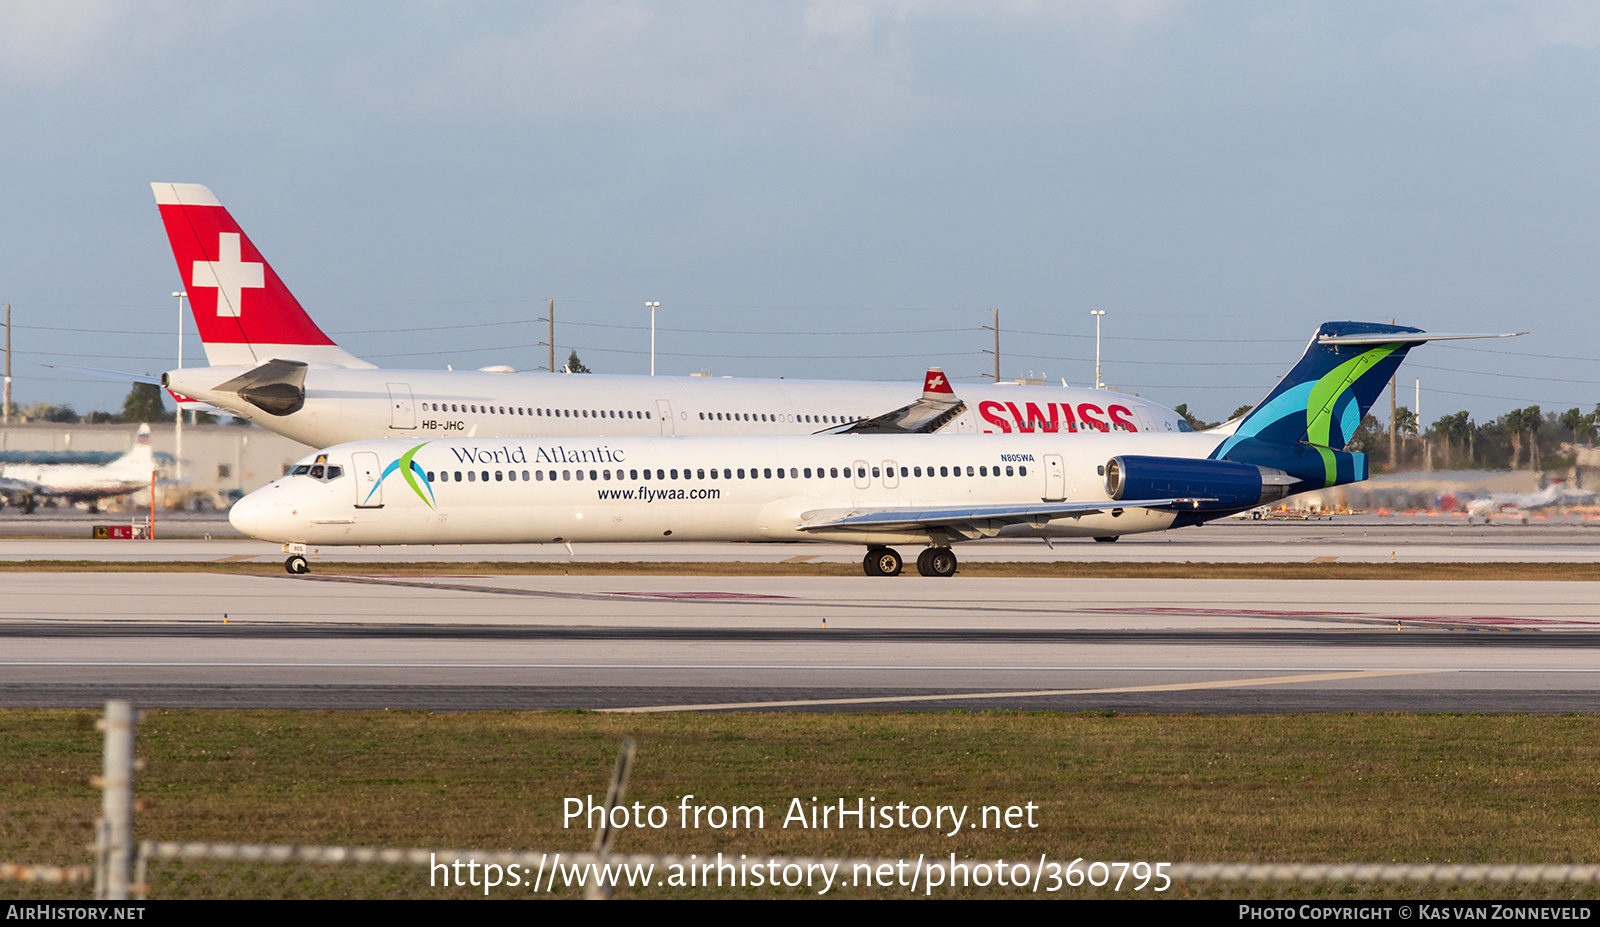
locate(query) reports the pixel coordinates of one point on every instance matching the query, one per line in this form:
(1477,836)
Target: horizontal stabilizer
(186,404)
(1406,338)
(109,374)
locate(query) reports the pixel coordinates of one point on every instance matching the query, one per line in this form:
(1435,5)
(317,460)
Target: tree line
(1522,438)
(146,402)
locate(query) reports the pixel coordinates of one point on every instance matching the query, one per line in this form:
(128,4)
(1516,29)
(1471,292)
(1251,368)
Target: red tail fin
(244,312)
(935,386)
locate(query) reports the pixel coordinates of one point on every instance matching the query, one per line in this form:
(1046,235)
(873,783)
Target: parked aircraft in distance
(25,484)
(1556,495)
(872,489)
(271,364)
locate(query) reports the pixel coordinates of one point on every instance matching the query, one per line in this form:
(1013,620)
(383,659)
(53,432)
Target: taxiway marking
(1169,687)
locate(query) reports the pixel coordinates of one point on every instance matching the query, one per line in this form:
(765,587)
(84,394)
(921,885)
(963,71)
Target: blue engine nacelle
(1221,484)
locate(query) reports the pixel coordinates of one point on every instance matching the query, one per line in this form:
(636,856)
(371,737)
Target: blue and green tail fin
(1314,411)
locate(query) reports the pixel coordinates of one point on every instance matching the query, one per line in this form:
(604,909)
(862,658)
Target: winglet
(936,385)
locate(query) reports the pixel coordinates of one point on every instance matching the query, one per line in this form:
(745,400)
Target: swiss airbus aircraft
(871,489)
(271,364)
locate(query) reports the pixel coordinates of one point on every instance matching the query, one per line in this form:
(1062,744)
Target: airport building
(220,462)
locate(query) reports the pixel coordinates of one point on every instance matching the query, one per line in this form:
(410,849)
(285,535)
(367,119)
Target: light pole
(177,434)
(5,403)
(1097,313)
(653,307)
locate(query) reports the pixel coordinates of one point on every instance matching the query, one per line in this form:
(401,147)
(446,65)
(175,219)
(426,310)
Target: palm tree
(1578,425)
(1514,423)
(1451,427)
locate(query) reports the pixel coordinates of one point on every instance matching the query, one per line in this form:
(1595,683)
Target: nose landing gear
(297,564)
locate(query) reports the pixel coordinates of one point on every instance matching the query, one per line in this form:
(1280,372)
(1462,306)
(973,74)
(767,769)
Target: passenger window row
(540,413)
(774,417)
(636,414)
(700,473)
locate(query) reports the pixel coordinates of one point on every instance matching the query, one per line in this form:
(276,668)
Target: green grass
(1290,788)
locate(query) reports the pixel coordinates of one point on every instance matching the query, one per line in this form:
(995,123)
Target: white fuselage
(354,404)
(510,490)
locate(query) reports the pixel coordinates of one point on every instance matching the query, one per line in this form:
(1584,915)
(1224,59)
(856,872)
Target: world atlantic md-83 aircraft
(875,490)
(271,364)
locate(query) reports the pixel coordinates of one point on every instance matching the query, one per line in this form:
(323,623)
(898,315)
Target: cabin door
(1055,478)
(664,413)
(369,485)
(863,481)
(402,411)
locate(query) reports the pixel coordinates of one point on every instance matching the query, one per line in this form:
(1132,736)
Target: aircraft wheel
(937,561)
(1108,539)
(28,506)
(881,561)
(297,565)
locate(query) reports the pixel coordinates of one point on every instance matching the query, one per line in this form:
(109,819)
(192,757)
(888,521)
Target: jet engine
(277,387)
(1216,484)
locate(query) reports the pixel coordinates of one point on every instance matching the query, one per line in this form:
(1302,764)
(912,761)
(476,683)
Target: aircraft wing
(971,520)
(937,407)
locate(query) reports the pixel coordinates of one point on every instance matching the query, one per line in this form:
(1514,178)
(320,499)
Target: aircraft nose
(245,515)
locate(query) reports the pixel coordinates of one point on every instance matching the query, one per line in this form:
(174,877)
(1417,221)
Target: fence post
(114,844)
(603,837)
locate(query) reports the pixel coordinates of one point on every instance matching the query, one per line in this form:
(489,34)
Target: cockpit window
(322,472)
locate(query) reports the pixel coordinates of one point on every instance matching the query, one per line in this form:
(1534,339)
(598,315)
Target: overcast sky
(826,189)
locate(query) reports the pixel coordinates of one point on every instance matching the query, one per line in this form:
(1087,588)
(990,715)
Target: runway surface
(811,644)
(1363,538)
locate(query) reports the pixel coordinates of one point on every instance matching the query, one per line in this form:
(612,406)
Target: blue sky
(825,189)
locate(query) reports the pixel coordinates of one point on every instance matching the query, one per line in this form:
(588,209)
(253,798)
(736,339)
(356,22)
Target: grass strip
(1295,788)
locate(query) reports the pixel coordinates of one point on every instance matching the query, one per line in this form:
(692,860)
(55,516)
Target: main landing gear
(937,561)
(934,561)
(881,561)
(297,564)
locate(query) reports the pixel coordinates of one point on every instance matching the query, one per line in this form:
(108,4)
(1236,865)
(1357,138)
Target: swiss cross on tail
(228,275)
(936,385)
